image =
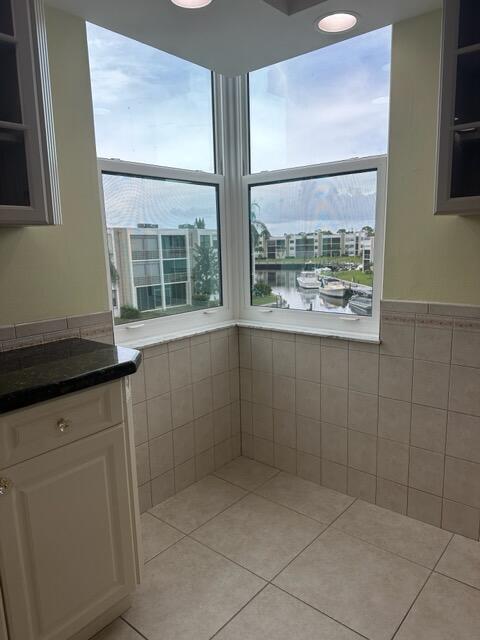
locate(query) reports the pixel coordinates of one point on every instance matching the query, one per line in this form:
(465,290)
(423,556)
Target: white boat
(332,288)
(308,280)
(361,305)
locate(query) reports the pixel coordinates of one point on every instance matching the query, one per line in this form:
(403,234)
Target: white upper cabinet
(29,193)
(458,172)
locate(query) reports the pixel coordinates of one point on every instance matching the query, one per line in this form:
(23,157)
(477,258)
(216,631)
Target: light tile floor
(251,553)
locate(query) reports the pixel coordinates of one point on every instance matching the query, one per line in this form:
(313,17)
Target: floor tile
(274,615)
(305,497)
(461,561)
(198,503)
(411,539)
(156,536)
(188,593)
(258,534)
(445,610)
(246,473)
(118,630)
(365,588)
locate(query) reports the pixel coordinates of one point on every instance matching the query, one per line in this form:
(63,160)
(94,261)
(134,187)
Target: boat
(332,288)
(361,305)
(323,271)
(308,280)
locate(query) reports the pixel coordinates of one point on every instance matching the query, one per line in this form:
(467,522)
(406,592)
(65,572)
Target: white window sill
(151,341)
(339,335)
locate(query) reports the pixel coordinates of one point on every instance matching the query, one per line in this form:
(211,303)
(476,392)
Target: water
(284,283)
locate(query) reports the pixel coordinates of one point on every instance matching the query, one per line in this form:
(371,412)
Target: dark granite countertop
(46,371)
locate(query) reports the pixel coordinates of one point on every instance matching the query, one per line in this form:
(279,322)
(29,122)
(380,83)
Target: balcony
(145,255)
(140,281)
(174,253)
(175,277)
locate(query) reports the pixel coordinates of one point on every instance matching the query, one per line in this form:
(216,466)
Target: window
(146,273)
(300,163)
(327,105)
(174,246)
(144,247)
(149,298)
(157,133)
(149,106)
(165,269)
(315,192)
(322,270)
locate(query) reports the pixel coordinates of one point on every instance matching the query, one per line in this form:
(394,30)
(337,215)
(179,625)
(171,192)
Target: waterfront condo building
(152,268)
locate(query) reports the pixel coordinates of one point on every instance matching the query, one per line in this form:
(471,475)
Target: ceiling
(236,36)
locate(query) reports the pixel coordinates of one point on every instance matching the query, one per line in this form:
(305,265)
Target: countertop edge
(43,392)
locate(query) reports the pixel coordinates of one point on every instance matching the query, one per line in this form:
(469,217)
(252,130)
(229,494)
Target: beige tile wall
(186,407)
(92,326)
(396,424)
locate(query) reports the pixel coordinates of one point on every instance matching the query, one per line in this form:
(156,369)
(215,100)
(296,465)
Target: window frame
(328,324)
(143,332)
(232,178)
(316,323)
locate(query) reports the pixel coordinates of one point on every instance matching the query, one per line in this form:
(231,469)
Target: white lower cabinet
(66,537)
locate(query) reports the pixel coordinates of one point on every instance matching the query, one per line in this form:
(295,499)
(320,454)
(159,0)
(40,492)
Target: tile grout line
(464,584)
(442,506)
(166,549)
(310,606)
(239,611)
(206,521)
(131,627)
(235,562)
(411,606)
(423,587)
(270,582)
(331,524)
(376,546)
(211,475)
(314,540)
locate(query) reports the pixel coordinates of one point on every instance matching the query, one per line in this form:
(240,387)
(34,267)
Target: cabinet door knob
(5,486)
(63,425)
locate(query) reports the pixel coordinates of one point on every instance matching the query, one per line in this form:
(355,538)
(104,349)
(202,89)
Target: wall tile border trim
(92,326)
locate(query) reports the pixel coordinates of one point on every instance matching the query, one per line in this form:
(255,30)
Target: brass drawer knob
(5,486)
(63,425)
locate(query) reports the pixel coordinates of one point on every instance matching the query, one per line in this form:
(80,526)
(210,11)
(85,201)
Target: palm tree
(258,228)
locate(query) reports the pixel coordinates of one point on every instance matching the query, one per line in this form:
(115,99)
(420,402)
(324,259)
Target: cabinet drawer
(29,432)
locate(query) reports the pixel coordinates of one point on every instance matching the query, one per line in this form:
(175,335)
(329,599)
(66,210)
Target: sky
(332,203)
(327,105)
(130,201)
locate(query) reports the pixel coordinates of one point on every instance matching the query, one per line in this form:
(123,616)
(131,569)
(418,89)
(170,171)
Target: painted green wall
(427,257)
(58,271)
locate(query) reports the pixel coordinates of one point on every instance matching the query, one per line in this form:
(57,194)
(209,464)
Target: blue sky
(149,106)
(328,105)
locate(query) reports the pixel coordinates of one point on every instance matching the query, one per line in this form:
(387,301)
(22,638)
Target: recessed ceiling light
(191,4)
(337,22)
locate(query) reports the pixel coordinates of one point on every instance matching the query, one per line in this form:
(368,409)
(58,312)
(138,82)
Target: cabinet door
(29,191)
(458,150)
(66,551)
(3,620)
